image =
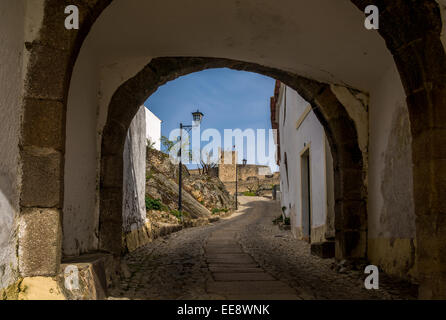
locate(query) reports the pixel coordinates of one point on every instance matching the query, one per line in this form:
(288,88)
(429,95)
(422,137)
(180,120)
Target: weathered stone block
(429,196)
(40,288)
(329,105)
(351,244)
(351,182)
(54,34)
(88,276)
(41,182)
(40,240)
(353,215)
(113,138)
(112,171)
(110,222)
(43,124)
(324,249)
(137,238)
(430,144)
(46,77)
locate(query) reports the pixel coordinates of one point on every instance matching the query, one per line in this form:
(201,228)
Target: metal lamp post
(236,185)
(236,182)
(197,117)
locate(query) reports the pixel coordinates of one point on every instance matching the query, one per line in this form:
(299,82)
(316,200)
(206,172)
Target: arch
(350,191)
(412,31)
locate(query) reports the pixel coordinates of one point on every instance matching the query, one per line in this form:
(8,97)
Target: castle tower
(227,171)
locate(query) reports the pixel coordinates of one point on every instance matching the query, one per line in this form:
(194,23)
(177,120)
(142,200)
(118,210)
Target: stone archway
(412,31)
(350,191)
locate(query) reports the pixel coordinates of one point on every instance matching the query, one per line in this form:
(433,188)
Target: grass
(249,194)
(177,214)
(217,210)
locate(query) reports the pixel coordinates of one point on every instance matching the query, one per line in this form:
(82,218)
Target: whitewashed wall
(391,211)
(133,207)
(153,129)
(11,66)
(293,142)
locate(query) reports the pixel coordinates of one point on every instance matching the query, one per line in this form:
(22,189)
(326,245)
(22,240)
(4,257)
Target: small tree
(253,185)
(167,144)
(207,165)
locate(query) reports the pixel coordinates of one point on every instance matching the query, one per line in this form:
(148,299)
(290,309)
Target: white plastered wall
(391,212)
(133,207)
(293,141)
(12,24)
(153,129)
(91,89)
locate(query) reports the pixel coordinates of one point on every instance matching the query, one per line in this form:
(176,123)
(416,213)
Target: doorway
(306,194)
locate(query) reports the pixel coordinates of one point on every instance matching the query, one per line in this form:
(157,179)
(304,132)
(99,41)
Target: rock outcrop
(209,191)
(202,195)
(204,200)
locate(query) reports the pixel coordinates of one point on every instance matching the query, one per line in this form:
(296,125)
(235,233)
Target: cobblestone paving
(243,257)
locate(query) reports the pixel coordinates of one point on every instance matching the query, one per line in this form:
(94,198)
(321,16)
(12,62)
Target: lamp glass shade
(197,116)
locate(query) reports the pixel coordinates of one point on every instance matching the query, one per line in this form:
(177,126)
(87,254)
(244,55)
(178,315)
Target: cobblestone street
(243,257)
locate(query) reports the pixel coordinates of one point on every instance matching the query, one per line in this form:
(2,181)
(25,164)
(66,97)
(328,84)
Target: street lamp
(197,117)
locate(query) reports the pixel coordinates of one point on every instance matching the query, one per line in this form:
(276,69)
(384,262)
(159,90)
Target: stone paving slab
(234,268)
(242,276)
(223,249)
(222,242)
(180,267)
(229,258)
(249,288)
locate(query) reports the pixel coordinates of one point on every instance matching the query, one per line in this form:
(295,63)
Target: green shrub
(249,194)
(177,214)
(154,204)
(217,210)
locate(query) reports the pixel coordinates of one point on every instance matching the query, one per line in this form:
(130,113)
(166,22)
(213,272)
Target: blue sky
(229,99)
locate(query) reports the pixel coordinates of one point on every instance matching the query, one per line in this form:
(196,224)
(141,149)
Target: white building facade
(153,129)
(145,126)
(306,167)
